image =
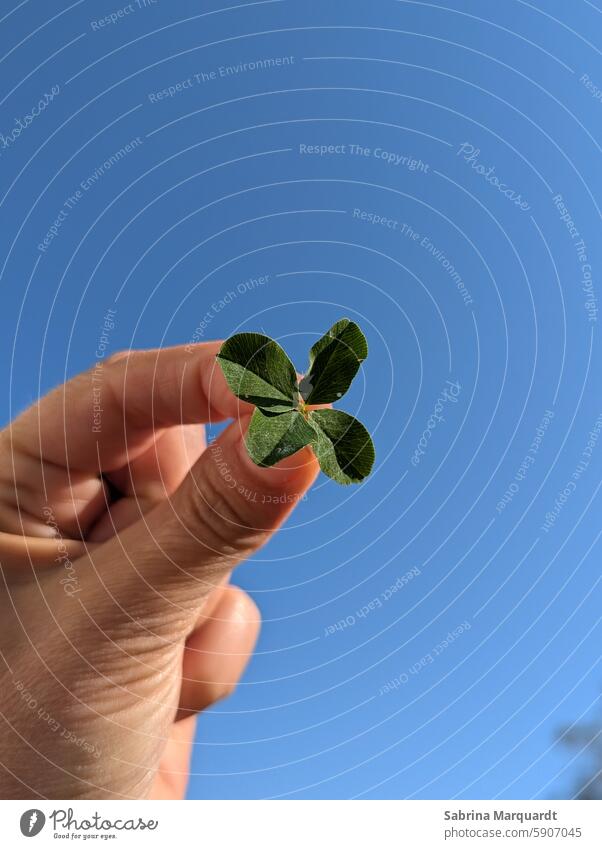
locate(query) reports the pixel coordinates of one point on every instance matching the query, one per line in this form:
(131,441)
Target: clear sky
(432,172)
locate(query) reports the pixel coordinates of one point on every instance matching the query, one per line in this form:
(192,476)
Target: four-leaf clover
(258,371)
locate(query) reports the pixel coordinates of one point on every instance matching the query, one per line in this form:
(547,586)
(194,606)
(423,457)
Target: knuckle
(219,519)
(118,358)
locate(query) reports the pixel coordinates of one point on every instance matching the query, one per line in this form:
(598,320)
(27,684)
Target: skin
(118,536)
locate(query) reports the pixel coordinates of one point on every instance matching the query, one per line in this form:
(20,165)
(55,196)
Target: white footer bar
(304,824)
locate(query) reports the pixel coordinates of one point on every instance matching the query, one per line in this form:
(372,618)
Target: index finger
(105,417)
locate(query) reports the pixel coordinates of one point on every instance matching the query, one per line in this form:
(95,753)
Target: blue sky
(431,171)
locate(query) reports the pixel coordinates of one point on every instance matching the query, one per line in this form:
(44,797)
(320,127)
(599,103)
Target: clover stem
(303,409)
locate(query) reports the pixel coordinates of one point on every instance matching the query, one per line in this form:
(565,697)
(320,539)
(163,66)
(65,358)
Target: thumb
(166,564)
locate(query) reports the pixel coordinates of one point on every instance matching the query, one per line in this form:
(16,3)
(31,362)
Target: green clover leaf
(258,371)
(333,363)
(343,446)
(272,438)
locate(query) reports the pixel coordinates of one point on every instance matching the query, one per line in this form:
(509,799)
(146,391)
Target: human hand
(118,532)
